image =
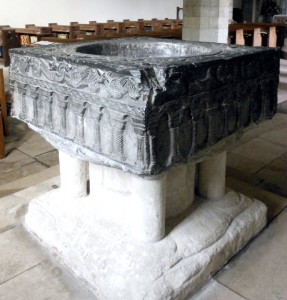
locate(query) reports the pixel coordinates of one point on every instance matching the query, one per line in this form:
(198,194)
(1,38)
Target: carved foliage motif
(79,77)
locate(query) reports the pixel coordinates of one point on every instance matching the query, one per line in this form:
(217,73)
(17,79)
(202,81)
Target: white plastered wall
(17,13)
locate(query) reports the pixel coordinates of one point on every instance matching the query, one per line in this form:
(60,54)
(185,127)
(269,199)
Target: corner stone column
(74,175)
(206,21)
(180,189)
(148,208)
(212,177)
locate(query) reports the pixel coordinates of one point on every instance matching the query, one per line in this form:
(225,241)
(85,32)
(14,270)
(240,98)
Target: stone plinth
(84,235)
(141,124)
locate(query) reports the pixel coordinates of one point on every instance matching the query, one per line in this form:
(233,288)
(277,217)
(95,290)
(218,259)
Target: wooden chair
(257,34)
(3,115)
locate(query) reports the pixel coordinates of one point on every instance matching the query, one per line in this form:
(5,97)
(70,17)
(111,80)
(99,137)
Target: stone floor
(256,166)
(27,156)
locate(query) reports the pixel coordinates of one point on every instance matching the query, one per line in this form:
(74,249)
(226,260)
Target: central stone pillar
(206,21)
(145,214)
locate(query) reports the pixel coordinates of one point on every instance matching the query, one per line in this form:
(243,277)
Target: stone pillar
(145,213)
(179,189)
(96,179)
(148,208)
(212,177)
(206,21)
(74,175)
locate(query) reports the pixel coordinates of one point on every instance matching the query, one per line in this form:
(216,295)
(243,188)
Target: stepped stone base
(95,249)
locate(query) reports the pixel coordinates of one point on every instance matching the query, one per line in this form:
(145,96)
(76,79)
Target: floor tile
(215,291)
(18,253)
(35,148)
(13,189)
(255,130)
(274,202)
(49,159)
(273,188)
(42,282)
(21,126)
(13,121)
(12,210)
(275,173)
(243,176)
(32,136)
(244,164)
(14,207)
(28,181)
(38,189)
(14,135)
(277,135)
(23,171)
(279,119)
(260,150)
(260,272)
(17,131)
(14,160)
(12,145)
(14,141)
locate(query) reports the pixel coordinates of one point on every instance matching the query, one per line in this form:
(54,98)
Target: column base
(97,250)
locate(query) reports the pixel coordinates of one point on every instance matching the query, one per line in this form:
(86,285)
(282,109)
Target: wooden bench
(132,26)
(32,34)
(75,32)
(64,31)
(168,28)
(257,34)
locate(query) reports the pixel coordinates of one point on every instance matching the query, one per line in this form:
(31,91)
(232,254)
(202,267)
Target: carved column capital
(22,88)
(63,101)
(34,91)
(96,112)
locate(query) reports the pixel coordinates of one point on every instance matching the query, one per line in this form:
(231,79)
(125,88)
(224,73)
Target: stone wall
(206,21)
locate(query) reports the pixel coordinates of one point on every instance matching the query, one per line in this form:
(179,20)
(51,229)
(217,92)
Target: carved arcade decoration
(142,105)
